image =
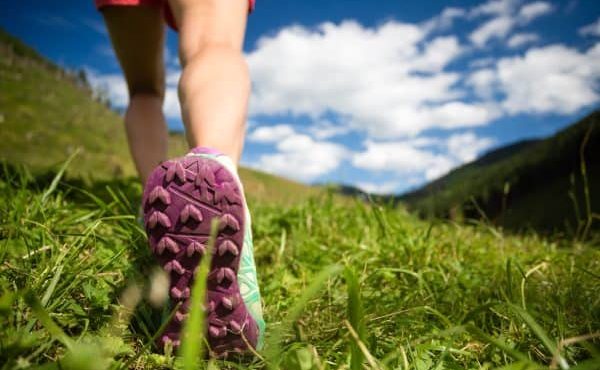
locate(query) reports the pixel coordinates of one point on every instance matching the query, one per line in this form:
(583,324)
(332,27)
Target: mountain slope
(527,184)
(46,114)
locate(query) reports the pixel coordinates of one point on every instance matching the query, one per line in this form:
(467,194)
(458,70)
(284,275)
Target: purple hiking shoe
(180,199)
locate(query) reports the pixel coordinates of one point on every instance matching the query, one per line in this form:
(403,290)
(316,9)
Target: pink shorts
(164,4)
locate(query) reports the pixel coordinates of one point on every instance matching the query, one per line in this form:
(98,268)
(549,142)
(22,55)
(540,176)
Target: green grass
(75,275)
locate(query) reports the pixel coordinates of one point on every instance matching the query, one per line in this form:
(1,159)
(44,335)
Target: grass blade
(193,330)
(540,333)
(59,176)
(54,281)
(45,319)
(355,318)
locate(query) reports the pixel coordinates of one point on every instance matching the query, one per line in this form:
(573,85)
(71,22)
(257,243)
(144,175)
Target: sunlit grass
(346,285)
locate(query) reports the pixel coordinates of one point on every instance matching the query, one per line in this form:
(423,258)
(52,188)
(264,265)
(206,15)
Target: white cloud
(551,79)
(171,106)
(534,10)
(324,129)
(388,81)
(592,29)
(465,147)
(504,18)
(298,155)
(444,20)
(482,62)
(494,8)
(521,39)
(110,85)
(271,134)
(384,187)
(426,157)
(459,114)
(496,28)
(483,82)
(437,54)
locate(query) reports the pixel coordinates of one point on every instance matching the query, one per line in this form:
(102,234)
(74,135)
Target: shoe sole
(180,200)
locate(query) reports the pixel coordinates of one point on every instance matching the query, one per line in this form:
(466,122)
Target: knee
(190,50)
(210,60)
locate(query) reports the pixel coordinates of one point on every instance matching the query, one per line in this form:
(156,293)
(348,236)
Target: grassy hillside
(47,114)
(536,184)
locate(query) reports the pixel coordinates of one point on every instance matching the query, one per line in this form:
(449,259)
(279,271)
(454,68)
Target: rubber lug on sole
(195,247)
(179,294)
(174,265)
(158,218)
(228,221)
(190,211)
(168,244)
(175,170)
(159,193)
(228,246)
(225,273)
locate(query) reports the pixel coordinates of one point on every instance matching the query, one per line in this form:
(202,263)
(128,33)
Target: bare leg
(215,84)
(137,35)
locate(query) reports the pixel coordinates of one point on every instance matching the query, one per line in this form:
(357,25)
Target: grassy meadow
(76,287)
(346,284)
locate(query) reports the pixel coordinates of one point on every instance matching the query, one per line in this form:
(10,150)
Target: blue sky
(384,95)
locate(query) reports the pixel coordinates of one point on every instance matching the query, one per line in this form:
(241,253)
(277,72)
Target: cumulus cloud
(496,28)
(521,39)
(384,187)
(531,11)
(389,81)
(592,29)
(482,62)
(324,129)
(444,20)
(298,155)
(494,8)
(109,85)
(537,81)
(504,18)
(271,134)
(171,107)
(401,158)
(483,82)
(426,157)
(466,146)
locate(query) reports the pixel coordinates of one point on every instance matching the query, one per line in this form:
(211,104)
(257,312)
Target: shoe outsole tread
(182,198)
